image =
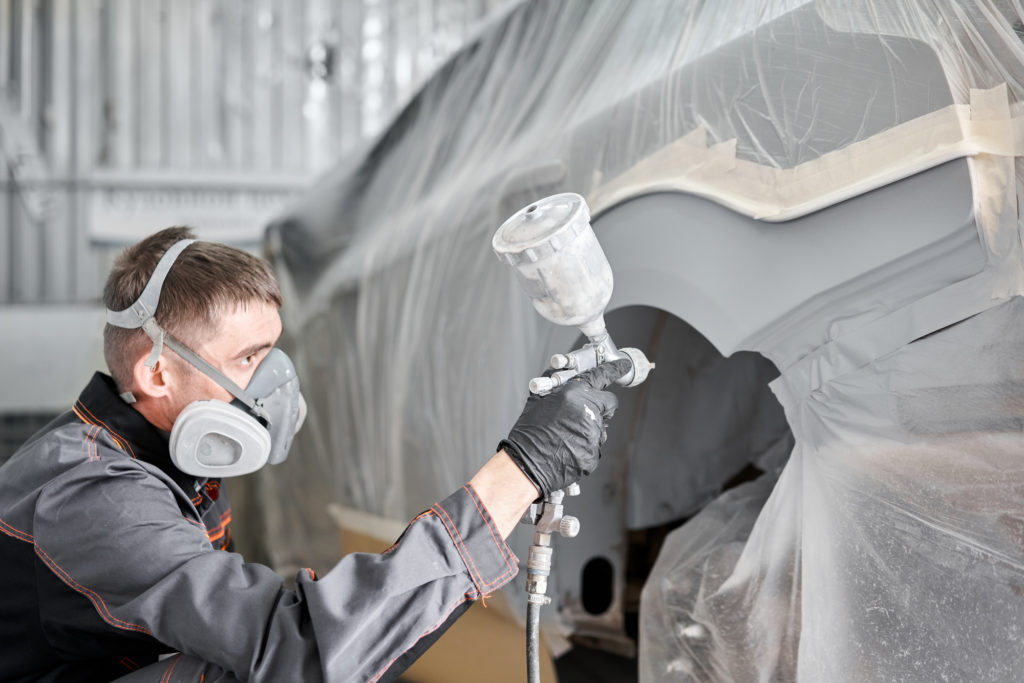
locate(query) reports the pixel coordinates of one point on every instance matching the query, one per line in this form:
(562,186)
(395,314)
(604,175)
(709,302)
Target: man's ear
(152,382)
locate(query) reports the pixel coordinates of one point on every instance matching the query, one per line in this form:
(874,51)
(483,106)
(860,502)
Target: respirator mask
(213,438)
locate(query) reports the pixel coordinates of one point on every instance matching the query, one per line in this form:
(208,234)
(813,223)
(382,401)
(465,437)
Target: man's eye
(249,360)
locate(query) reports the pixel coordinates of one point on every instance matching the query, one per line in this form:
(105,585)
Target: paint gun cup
(554,253)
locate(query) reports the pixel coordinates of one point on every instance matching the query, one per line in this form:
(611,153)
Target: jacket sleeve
(113,532)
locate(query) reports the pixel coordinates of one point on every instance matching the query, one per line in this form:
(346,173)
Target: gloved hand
(557,439)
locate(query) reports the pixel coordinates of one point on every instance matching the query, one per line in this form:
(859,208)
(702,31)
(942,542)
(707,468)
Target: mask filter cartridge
(216,439)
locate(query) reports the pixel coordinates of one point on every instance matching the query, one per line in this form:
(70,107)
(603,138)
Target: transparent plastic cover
(813,142)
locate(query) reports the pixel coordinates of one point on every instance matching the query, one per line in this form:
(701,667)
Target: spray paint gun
(557,259)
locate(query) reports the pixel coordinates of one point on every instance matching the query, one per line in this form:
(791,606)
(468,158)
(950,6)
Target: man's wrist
(504,490)
(525,465)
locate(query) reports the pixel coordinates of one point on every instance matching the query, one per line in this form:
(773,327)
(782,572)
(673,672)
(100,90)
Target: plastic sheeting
(890,548)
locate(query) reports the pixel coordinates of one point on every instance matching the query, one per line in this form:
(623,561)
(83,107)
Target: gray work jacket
(110,556)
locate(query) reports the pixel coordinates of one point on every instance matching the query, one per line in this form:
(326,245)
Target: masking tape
(780,194)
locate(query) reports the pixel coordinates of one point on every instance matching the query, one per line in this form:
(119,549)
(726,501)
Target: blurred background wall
(120,117)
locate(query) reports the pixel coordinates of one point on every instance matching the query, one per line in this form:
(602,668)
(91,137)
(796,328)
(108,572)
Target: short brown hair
(207,280)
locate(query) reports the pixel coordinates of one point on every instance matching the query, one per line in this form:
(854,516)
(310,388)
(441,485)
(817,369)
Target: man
(113,521)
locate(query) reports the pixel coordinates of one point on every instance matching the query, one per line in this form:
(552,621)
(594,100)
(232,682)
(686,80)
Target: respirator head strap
(199,363)
(144,308)
(156,333)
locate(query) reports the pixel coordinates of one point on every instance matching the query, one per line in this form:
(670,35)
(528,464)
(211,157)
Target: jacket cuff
(489,561)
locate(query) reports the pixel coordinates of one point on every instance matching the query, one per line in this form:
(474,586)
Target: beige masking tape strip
(996,137)
(780,194)
(993,178)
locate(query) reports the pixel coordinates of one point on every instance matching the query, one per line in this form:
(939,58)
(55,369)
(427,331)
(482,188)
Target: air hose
(547,517)
(533,642)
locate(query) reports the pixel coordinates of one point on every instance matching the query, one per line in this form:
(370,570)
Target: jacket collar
(100,404)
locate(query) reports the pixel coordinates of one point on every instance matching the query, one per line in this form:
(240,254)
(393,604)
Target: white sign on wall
(125,212)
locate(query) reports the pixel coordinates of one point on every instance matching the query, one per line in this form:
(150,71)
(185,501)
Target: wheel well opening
(700,425)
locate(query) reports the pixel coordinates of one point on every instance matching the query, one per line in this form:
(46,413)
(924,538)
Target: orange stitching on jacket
(170,669)
(219,530)
(15,533)
(88,440)
(508,572)
(93,597)
(121,442)
(417,518)
(501,546)
(482,583)
(421,515)
(88,433)
(94,430)
(81,417)
(91,435)
(459,545)
(422,636)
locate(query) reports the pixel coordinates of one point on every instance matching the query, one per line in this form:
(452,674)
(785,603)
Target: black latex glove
(557,439)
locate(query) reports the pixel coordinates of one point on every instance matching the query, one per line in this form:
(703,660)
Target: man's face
(243,339)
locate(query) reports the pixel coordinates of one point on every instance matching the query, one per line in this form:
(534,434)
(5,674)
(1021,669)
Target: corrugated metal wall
(118,117)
